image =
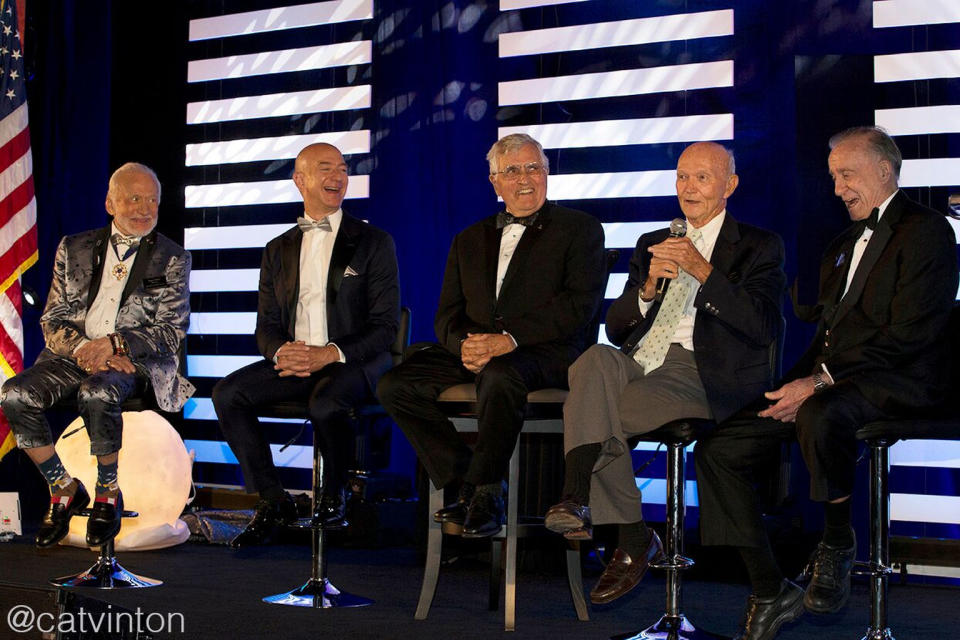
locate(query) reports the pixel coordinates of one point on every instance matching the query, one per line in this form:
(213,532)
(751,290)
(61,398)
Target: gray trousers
(53,378)
(611,400)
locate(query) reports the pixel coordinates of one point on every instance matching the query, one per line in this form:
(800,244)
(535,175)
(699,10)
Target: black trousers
(53,378)
(409,394)
(331,395)
(727,460)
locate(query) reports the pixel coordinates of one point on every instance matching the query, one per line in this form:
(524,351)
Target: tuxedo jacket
(550,292)
(154,309)
(886,334)
(739,312)
(363,295)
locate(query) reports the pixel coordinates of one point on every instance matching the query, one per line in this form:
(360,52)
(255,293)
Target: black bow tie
(309,224)
(870,222)
(504,218)
(119,240)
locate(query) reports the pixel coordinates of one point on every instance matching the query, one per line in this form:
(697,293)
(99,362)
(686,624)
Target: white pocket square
(349,272)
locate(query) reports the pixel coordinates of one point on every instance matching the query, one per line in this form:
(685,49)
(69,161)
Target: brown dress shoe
(623,573)
(570,518)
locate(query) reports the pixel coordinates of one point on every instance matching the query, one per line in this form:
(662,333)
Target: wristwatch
(819,382)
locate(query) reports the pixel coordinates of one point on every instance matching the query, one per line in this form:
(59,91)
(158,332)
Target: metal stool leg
(879,541)
(106,573)
(575,580)
(510,573)
(673,625)
(431,570)
(317,592)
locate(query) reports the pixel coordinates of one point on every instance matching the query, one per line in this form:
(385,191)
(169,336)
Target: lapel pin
(841,259)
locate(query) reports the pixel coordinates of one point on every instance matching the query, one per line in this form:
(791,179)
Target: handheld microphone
(678,229)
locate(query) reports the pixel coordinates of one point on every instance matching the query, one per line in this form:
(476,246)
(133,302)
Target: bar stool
(106,572)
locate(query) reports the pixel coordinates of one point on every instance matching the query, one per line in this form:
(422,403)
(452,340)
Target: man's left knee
(501,380)
(95,396)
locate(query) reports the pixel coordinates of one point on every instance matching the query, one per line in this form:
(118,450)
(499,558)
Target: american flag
(18,206)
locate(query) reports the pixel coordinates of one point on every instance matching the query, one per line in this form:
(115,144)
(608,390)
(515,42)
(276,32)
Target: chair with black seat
(677,435)
(940,424)
(543,414)
(318,592)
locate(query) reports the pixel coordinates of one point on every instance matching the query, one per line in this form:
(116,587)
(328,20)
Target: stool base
(105,574)
(878,634)
(670,628)
(318,594)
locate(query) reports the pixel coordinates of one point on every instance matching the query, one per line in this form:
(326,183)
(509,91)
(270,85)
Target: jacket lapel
(290,271)
(144,254)
(343,249)
(491,256)
(724,254)
(100,246)
(521,254)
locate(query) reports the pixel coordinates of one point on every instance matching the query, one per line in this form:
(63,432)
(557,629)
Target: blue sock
(107,478)
(55,474)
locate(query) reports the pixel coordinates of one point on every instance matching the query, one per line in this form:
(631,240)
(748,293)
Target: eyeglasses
(514,171)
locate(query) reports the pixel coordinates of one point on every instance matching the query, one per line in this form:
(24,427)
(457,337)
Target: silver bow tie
(309,224)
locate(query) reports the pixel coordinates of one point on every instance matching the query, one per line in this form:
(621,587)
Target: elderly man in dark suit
(700,352)
(116,314)
(327,313)
(887,285)
(519,291)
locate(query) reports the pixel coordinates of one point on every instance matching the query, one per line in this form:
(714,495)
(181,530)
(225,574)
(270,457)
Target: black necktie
(309,224)
(504,218)
(119,240)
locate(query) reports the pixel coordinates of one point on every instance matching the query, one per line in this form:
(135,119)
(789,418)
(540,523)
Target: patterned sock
(578,469)
(107,478)
(634,538)
(57,477)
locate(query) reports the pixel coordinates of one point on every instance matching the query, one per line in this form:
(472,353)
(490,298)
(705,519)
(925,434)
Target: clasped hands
(301,359)
(97,355)
(478,348)
(787,399)
(669,257)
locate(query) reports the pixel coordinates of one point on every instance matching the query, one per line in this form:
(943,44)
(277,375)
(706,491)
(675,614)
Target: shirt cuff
(82,342)
(823,365)
(644,305)
(343,358)
(512,339)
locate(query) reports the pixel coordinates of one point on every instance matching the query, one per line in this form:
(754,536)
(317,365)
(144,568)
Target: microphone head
(678,228)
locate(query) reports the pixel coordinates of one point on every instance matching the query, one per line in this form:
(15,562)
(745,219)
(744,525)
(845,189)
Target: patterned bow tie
(119,240)
(504,218)
(871,221)
(309,224)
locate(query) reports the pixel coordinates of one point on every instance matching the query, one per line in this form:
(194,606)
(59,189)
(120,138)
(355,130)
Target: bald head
(320,174)
(706,177)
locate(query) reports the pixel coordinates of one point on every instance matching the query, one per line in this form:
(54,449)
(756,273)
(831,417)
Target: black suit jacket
(886,334)
(363,310)
(551,290)
(739,312)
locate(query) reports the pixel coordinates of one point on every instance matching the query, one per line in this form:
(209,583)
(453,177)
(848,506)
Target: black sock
(837,532)
(634,538)
(579,468)
(765,574)
(274,494)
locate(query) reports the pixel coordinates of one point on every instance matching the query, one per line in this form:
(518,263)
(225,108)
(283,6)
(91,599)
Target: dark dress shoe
(570,518)
(56,521)
(267,519)
(104,522)
(623,573)
(331,511)
(829,588)
(456,513)
(765,616)
(485,514)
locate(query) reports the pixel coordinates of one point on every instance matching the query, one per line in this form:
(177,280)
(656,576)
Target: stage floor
(217,594)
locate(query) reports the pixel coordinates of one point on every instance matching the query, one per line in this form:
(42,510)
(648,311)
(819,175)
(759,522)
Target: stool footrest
(310,523)
(676,562)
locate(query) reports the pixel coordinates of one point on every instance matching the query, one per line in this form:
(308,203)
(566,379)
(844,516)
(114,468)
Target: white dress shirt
(509,240)
(861,245)
(684,333)
(101,318)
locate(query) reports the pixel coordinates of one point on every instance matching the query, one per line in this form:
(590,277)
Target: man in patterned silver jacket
(116,314)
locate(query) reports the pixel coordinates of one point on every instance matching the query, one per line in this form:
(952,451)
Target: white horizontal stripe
(956,227)
(934,571)
(626,184)
(305,15)
(285,61)
(914,507)
(254,236)
(931,172)
(14,175)
(680,77)
(926,453)
(615,284)
(223,323)
(13,124)
(12,323)
(916,66)
(21,222)
(278,148)
(261,192)
(279,104)
(217,366)
(203,409)
(655,491)
(507,5)
(623,235)
(684,26)
(218,280)
(211,451)
(611,133)
(902,13)
(919,120)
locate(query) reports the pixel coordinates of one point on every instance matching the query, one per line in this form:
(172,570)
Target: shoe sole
(473,535)
(563,523)
(583,533)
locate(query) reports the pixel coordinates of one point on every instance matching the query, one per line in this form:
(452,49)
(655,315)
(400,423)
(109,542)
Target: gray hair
(878,140)
(130,167)
(731,161)
(514,142)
